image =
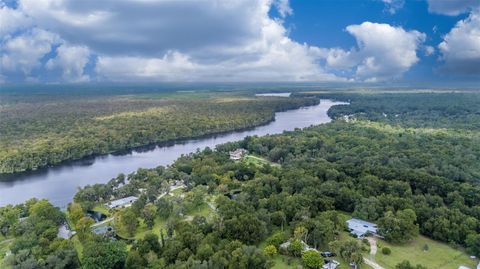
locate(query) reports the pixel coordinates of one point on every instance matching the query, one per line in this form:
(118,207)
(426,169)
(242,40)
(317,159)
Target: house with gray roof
(123,202)
(361,228)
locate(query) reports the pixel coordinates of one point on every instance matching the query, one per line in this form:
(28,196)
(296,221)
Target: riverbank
(59,183)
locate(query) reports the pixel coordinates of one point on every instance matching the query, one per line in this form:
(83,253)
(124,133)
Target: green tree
(270,251)
(349,250)
(75,211)
(312,259)
(134,260)
(149,213)
(104,255)
(128,221)
(407,265)
(295,248)
(399,227)
(83,228)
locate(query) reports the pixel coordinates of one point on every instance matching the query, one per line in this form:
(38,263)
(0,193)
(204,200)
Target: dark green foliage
(103,254)
(408,265)
(386,251)
(37,133)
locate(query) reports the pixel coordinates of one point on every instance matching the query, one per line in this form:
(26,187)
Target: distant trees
(49,132)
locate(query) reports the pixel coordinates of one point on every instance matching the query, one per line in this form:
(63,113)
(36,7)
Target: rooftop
(122,202)
(360,227)
(102,230)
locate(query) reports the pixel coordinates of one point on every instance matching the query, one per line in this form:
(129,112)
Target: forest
(47,130)
(406,161)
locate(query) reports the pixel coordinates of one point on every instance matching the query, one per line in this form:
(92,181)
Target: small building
(361,228)
(331,264)
(123,202)
(103,230)
(65,232)
(238,154)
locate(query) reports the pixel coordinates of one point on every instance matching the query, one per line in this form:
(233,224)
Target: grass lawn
(201,210)
(439,255)
(281,262)
(258,161)
(78,246)
(102,209)
(143,229)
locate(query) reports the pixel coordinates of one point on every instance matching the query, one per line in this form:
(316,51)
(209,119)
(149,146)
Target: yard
(438,256)
(258,161)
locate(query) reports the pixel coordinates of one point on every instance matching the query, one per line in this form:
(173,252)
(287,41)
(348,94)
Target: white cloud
(12,20)
(461,46)
(375,58)
(23,53)
(429,50)
(71,60)
(393,5)
(452,7)
(283,7)
(215,40)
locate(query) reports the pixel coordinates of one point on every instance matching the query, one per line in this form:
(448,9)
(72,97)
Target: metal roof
(361,227)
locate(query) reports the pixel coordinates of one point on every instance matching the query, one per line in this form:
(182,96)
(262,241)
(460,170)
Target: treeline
(40,134)
(459,110)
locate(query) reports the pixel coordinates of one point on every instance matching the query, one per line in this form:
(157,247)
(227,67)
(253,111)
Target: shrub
(386,251)
(312,259)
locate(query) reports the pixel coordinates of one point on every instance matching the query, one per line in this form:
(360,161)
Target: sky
(338,41)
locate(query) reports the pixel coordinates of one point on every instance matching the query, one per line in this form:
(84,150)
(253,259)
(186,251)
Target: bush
(365,241)
(312,259)
(386,251)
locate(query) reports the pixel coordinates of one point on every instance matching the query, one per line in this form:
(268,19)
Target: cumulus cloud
(12,20)
(23,52)
(375,58)
(452,7)
(216,40)
(71,60)
(460,48)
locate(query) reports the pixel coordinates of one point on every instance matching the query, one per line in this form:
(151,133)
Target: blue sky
(340,41)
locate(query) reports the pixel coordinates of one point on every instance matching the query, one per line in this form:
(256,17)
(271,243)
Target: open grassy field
(438,256)
(258,161)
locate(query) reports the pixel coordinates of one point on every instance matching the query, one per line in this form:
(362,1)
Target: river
(60,183)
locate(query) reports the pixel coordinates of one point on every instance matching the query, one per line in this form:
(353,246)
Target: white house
(238,154)
(123,202)
(361,228)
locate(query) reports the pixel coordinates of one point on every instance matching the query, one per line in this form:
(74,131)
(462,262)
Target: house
(123,202)
(238,154)
(361,228)
(305,246)
(331,264)
(102,230)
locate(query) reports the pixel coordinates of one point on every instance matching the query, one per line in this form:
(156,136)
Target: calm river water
(60,183)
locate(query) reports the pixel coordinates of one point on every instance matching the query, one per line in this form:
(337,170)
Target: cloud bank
(216,40)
